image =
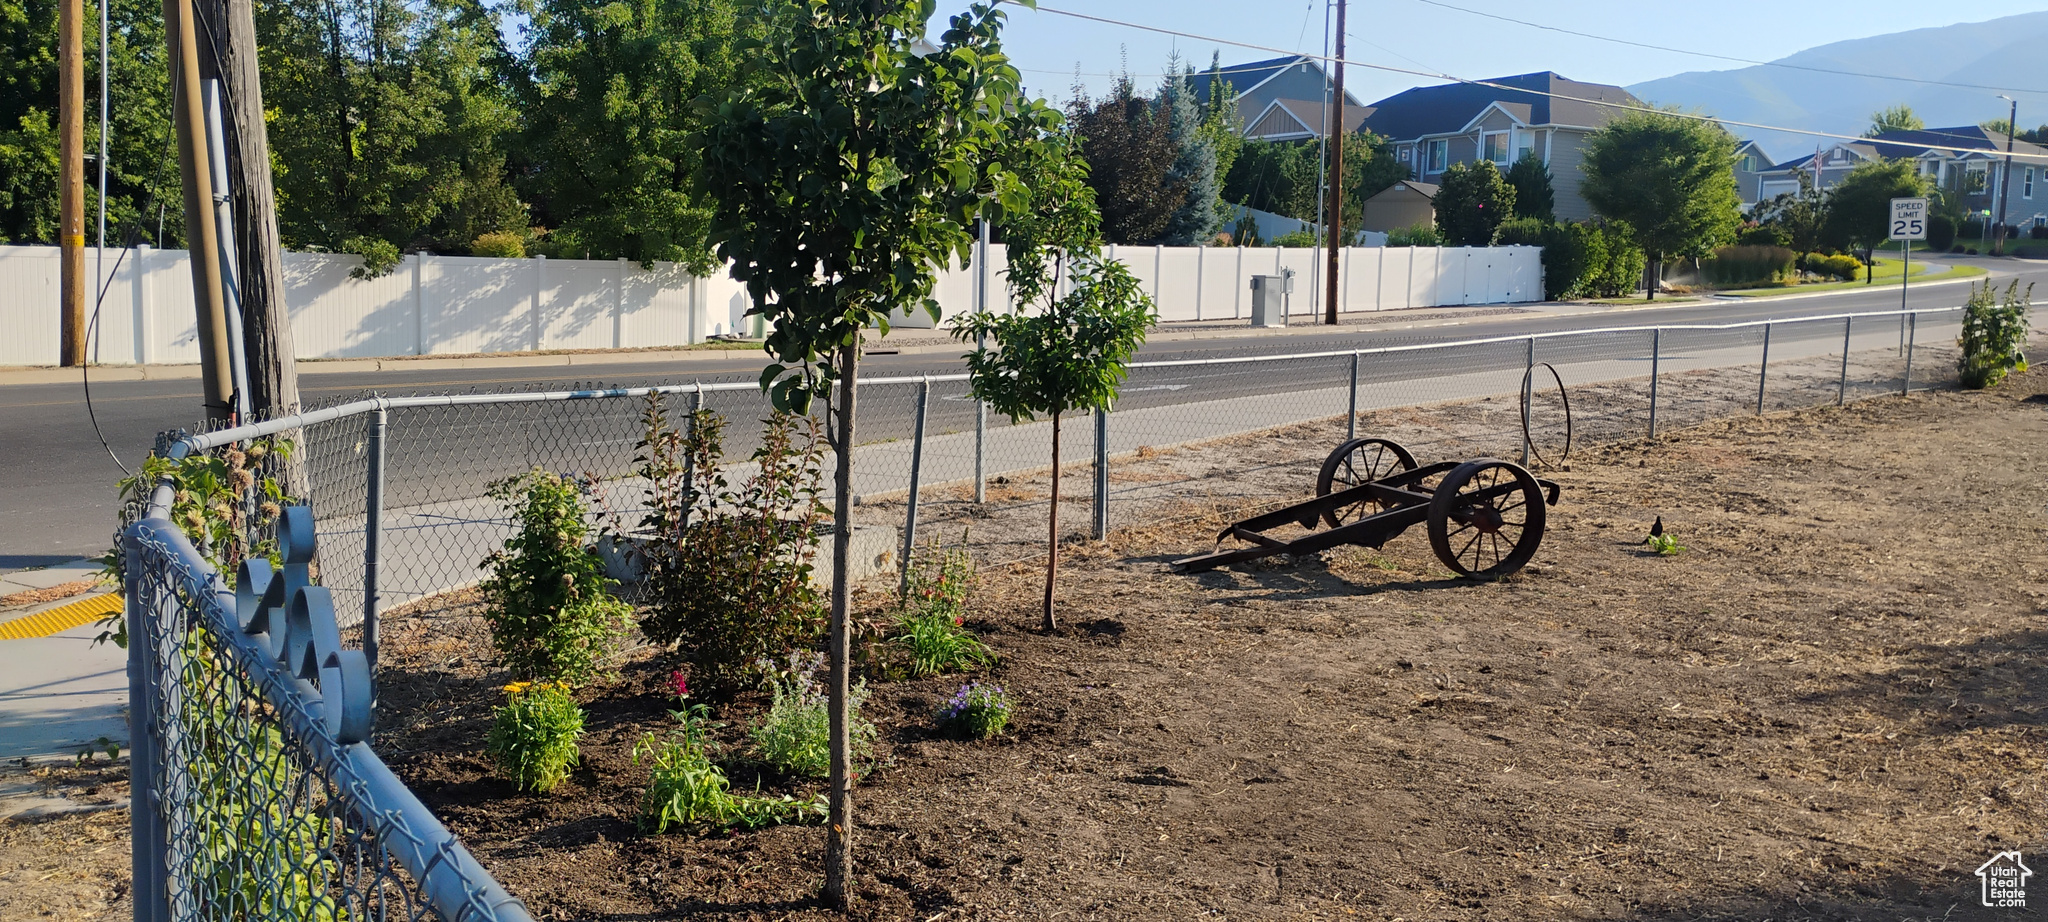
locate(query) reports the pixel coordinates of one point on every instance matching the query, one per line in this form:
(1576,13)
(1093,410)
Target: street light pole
(2012,127)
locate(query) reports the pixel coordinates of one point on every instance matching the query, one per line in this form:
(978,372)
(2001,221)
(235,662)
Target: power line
(1720,57)
(1451,78)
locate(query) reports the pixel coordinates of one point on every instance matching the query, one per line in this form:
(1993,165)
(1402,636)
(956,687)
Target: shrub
(2038,232)
(1994,331)
(729,568)
(1957,248)
(795,736)
(976,711)
(499,245)
(551,612)
(1472,201)
(1971,251)
(1764,235)
(1422,234)
(1622,260)
(1842,266)
(1972,229)
(533,739)
(1941,232)
(1748,265)
(1296,238)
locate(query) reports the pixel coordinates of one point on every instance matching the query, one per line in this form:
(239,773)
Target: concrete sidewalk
(59,693)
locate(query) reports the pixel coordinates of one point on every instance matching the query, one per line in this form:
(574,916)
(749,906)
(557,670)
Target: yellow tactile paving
(62,618)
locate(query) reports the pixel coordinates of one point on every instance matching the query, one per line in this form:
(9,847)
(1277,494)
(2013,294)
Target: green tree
(845,168)
(1220,125)
(1129,145)
(1860,205)
(1472,201)
(1669,177)
(1195,222)
(1070,356)
(1534,197)
(1797,216)
(608,123)
(1893,118)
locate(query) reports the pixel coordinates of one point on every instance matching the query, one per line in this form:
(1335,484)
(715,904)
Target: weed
(1665,545)
(1994,330)
(533,738)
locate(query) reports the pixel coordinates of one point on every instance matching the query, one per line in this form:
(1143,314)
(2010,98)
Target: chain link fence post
(1528,397)
(689,460)
(1102,475)
(980,451)
(147,845)
(1351,414)
(1912,331)
(924,396)
(1842,387)
(373,531)
(1763,371)
(1656,357)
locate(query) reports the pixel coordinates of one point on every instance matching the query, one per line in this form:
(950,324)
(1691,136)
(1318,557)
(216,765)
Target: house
(1432,127)
(1403,204)
(1969,160)
(1750,164)
(1282,99)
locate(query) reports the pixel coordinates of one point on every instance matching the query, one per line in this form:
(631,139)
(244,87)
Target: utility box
(1269,300)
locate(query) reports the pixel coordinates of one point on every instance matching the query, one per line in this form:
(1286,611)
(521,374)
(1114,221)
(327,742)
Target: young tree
(1798,215)
(1671,178)
(1893,118)
(1472,200)
(1220,125)
(845,168)
(1129,145)
(1860,205)
(1534,197)
(1195,222)
(1070,356)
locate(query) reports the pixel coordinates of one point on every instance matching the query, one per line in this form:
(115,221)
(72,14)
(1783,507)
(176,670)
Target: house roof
(1448,108)
(1923,142)
(1428,189)
(1244,77)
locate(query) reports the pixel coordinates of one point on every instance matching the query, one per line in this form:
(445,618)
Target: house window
(1495,146)
(2028,189)
(1525,145)
(1402,154)
(1439,154)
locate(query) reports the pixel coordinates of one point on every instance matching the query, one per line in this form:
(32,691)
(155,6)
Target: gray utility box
(1269,300)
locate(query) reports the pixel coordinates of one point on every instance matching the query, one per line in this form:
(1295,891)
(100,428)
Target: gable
(1449,108)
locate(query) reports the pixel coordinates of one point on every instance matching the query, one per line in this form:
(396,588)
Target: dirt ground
(69,867)
(1829,706)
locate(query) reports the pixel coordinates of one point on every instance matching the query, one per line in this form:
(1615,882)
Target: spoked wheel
(1356,462)
(1486,518)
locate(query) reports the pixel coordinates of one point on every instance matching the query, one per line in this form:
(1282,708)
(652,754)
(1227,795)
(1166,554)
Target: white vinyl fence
(449,305)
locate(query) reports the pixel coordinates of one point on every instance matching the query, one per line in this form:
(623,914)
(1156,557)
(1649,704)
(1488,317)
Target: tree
(1129,145)
(1472,200)
(1534,197)
(1799,216)
(1071,355)
(1220,125)
(1859,206)
(1195,222)
(844,168)
(1669,177)
(608,123)
(1284,177)
(1893,118)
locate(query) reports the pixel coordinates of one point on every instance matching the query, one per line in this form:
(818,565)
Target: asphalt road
(59,500)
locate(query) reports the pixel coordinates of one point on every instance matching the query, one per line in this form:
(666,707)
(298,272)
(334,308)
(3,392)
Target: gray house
(1433,127)
(1283,99)
(1968,159)
(1750,165)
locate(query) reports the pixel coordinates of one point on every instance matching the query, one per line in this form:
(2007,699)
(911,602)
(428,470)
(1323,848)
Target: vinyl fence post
(146,841)
(1529,396)
(1842,387)
(924,396)
(1102,475)
(1656,357)
(1351,415)
(373,532)
(1763,371)
(1912,330)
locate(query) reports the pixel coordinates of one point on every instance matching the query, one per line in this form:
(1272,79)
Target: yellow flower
(517,688)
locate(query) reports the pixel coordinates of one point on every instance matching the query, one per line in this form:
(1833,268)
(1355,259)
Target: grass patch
(1886,270)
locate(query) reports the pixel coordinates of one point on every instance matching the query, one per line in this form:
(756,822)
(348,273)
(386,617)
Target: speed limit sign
(1909,219)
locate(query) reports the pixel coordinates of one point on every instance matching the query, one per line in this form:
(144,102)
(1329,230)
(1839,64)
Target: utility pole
(2012,127)
(71,161)
(181,28)
(259,269)
(1335,126)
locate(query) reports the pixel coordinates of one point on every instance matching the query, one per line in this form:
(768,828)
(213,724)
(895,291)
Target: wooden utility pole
(259,270)
(1335,126)
(181,37)
(71,161)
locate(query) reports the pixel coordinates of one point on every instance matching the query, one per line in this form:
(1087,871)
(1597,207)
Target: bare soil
(73,866)
(1829,706)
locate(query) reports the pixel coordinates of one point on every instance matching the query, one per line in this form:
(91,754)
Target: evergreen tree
(1196,221)
(1534,197)
(1472,201)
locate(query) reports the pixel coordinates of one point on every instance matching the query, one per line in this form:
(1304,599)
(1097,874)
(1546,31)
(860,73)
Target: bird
(1657,528)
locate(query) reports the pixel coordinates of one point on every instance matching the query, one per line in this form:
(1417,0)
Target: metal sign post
(1908,223)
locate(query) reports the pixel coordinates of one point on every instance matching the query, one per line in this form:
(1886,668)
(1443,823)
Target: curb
(59,618)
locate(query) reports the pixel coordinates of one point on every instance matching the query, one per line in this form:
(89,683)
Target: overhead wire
(1452,78)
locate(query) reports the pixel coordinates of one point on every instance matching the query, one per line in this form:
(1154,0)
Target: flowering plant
(795,735)
(533,736)
(976,711)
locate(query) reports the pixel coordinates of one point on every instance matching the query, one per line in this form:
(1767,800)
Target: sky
(1417,35)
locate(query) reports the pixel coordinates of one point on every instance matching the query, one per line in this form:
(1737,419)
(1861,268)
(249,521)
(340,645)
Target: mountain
(2004,52)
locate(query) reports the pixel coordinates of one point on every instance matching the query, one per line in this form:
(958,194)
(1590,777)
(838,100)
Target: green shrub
(1619,267)
(729,568)
(499,245)
(1422,234)
(1296,238)
(1764,235)
(1994,331)
(976,711)
(533,739)
(1838,266)
(1941,233)
(1749,265)
(795,735)
(685,790)
(552,615)
(1971,229)
(380,256)
(1571,252)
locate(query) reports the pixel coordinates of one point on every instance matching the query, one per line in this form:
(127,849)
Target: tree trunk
(1052,528)
(839,832)
(1650,274)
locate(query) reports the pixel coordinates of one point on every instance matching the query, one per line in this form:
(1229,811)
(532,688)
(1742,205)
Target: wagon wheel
(1356,462)
(1486,518)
